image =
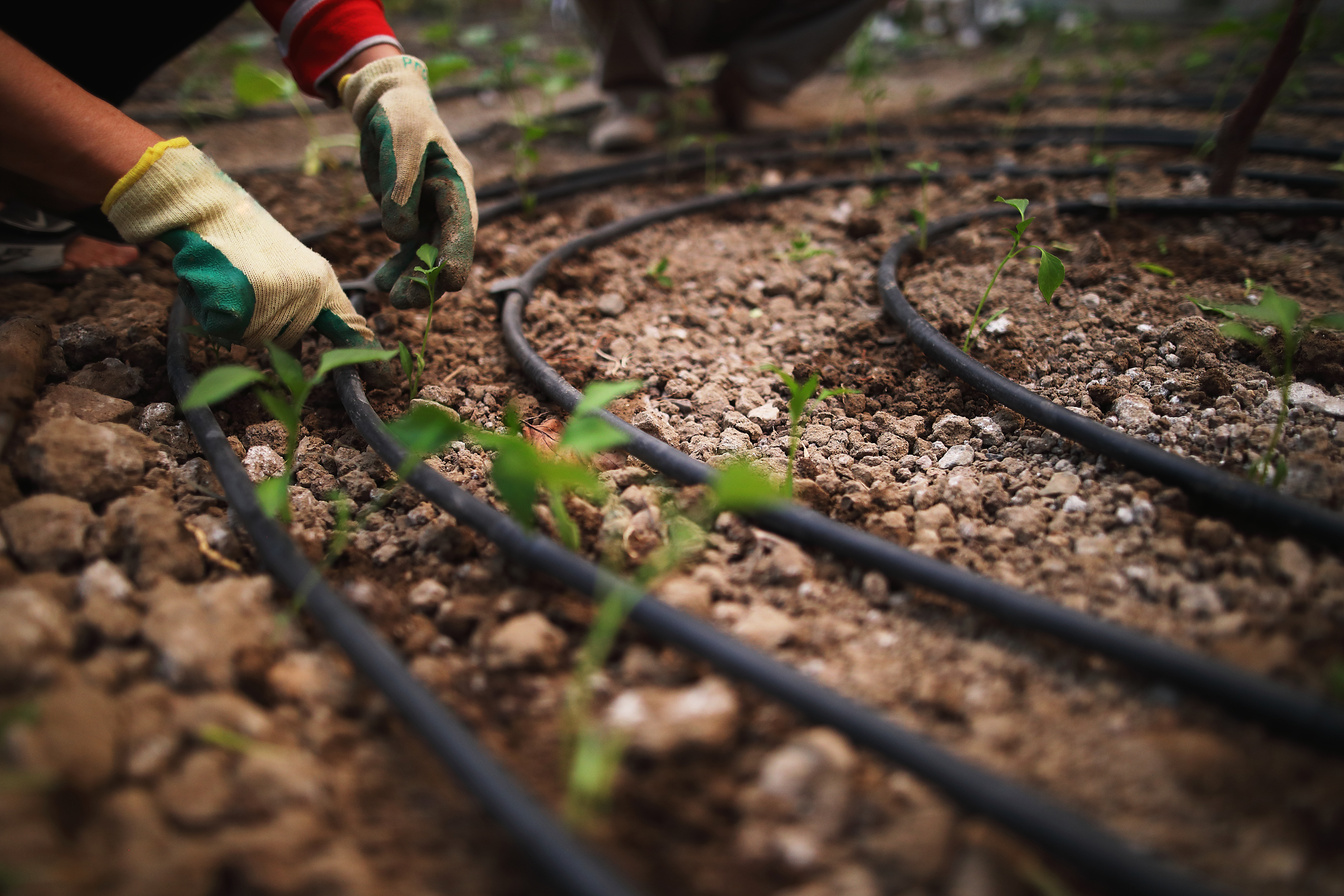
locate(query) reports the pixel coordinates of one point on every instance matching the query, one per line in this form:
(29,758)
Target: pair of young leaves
(283,394)
(1281,313)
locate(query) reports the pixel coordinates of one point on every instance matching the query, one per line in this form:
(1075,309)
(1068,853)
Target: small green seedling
(595,749)
(1284,316)
(800,395)
(1048,277)
(521,473)
(283,394)
(1111,162)
(921,214)
(801,248)
(657,272)
(414,366)
(256,86)
(1031,79)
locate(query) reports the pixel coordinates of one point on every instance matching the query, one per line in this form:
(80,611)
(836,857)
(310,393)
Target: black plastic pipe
(560,859)
(1110,863)
(1281,709)
(1247,504)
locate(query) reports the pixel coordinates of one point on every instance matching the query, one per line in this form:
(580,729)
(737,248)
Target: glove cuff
(173,185)
(360,90)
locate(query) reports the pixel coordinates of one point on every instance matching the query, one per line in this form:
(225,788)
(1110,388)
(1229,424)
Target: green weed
(1049,275)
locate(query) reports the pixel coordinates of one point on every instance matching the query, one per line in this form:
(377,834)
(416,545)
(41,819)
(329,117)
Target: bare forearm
(55,133)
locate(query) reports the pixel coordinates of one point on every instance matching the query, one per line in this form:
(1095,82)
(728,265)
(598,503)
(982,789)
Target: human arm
(69,143)
(243,276)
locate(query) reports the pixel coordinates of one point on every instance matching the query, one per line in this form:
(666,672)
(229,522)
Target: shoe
(629,124)
(32,241)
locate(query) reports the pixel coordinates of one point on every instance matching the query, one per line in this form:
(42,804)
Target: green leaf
(426,428)
(219,383)
(838,390)
(1210,307)
(428,255)
(597,396)
(1278,310)
(225,738)
(1331,321)
(1196,59)
(515,474)
(439,33)
(742,488)
(1235,329)
(446,65)
(920,219)
(588,435)
(1019,204)
(569,58)
(344,357)
(1226,28)
(256,86)
(273,496)
(288,369)
(789,382)
(279,408)
(1050,274)
(1155,269)
(801,396)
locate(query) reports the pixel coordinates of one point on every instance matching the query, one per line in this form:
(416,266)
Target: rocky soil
(171,725)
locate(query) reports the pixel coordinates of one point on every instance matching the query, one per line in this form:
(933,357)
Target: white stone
(1312,398)
(957,456)
(263,462)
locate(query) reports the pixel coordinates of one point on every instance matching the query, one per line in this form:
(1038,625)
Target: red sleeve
(318,36)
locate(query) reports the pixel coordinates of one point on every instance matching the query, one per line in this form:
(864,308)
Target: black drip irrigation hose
(1280,709)
(560,859)
(1110,863)
(1247,504)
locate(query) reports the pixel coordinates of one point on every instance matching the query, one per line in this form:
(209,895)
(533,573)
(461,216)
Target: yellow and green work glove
(416,173)
(243,276)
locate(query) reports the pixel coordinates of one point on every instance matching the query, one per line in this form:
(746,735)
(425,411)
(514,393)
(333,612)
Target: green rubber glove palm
(243,276)
(416,173)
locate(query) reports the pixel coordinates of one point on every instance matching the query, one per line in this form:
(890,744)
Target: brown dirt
(125,646)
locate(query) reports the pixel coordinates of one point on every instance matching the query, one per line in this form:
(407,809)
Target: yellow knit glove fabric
(420,179)
(243,276)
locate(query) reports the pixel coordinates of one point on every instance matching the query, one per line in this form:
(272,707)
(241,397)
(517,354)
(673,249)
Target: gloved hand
(415,172)
(243,276)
